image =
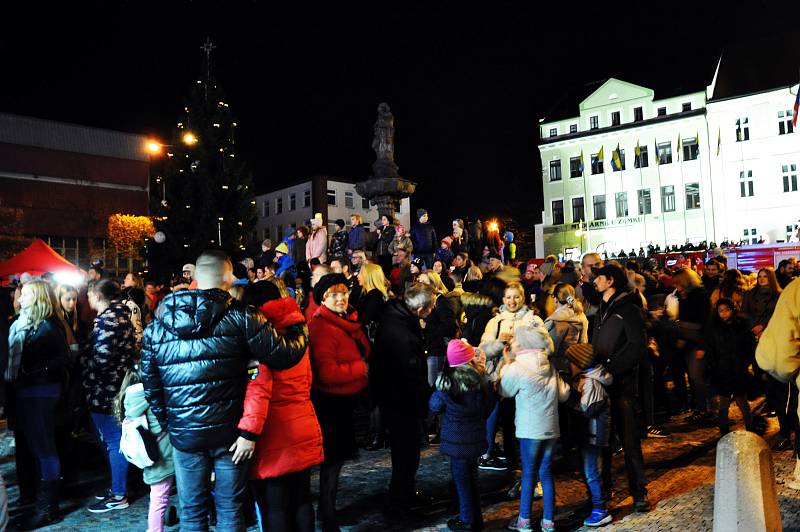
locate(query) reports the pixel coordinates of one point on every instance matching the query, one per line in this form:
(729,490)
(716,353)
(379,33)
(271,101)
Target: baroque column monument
(385,188)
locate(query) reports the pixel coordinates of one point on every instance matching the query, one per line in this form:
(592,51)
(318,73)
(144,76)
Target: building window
(558,212)
(292,202)
(573,128)
(594,122)
(615,118)
(645,203)
(638,114)
(662,111)
(597,166)
(577,210)
(621,200)
(785,122)
(789,177)
(621,160)
(349,202)
(555,170)
(265,209)
(668,199)
(279,234)
(599,207)
(692,196)
(641,161)
(686,107)
(575,167)
(746,183)
(554,132)
(278,205)
(331,197)
(752,237)
(364,203)
(266,233)
(665,152)
(307,198)
(691,149)
(742,129)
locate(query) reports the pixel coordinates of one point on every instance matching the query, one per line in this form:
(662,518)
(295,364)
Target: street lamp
(189,138)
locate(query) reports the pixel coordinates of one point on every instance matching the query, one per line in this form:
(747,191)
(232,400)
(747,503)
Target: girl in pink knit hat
(464,401)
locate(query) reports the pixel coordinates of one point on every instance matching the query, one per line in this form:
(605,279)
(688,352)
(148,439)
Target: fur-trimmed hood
(474,303)
(462,379)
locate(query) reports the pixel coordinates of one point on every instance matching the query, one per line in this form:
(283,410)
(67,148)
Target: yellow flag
(600,155)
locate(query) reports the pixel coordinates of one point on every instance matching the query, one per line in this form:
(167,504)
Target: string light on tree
(209,194)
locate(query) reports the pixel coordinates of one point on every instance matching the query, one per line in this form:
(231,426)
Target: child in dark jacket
(463,399)
(590,380)
(730,348)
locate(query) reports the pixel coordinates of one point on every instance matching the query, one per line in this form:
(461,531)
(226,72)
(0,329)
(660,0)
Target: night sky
(466,82)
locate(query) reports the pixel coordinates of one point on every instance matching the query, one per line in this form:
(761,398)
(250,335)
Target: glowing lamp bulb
(154,147)
(189,138)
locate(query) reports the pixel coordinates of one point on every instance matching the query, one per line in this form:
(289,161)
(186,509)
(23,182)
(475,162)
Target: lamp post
(156,148)
(581,232)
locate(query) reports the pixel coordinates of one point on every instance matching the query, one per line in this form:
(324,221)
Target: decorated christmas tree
(201,193)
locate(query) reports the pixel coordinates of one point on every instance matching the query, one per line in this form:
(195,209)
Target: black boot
(46,511)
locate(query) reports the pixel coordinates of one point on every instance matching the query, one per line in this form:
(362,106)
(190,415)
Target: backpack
(137,444)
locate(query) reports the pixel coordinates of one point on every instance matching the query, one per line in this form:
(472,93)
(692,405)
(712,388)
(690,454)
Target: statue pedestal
(386,193)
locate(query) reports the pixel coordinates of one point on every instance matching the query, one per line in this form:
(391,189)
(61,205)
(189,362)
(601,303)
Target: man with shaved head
(195,356)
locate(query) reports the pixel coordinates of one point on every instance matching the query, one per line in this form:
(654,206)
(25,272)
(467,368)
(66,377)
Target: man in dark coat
(423,236)
(620,343)
(195,357)
(400,379)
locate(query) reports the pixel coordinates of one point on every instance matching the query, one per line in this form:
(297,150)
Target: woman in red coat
(339,350)
(278,411)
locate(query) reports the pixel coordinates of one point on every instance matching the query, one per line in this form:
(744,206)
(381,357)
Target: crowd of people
(231,383)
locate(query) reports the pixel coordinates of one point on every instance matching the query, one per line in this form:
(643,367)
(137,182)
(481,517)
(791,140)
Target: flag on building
(638,154)
(616,160)
(719,140)
(796,108)
(678,149)
(658,157)
(581,163)
(600,155)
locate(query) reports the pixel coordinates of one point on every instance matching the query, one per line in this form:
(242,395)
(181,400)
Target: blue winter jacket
(356,238)
(463,422)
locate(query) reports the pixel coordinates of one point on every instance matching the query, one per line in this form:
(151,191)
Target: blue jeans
(491,428)
(537,456)
(110,432)
(37,409)
(592,455)
(465,477)
(193,475)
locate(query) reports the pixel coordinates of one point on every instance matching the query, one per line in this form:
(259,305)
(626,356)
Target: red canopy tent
(36,259)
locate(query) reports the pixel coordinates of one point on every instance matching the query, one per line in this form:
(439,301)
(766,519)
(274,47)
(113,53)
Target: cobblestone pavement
(680,471)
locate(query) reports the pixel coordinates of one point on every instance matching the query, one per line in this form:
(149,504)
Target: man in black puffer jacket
(195,356)
(620,343)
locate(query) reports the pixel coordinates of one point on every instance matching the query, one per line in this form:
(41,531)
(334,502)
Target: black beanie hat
(613,271)
(340,223)
(327,281)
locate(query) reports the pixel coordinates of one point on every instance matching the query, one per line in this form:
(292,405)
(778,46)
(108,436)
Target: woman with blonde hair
(499,334)
(434,280)
(375,290)
(567,325)
(38,356)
